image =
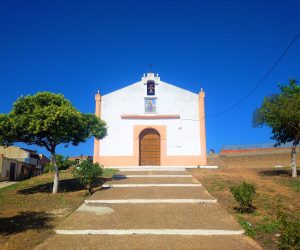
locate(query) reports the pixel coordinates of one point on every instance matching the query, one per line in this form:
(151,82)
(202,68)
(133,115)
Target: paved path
(6,183)
(150,210)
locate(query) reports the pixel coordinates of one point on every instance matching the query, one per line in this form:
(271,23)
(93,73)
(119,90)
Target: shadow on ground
(277,172)
(119,177)
(69,185)
(23,222)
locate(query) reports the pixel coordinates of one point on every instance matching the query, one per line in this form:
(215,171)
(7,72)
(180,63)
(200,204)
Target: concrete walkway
(6,183)
(171,211)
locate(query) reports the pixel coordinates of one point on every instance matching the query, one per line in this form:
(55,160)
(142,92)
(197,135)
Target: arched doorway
(149,147)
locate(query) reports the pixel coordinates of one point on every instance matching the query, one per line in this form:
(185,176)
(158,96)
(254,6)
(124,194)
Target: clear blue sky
(77,47)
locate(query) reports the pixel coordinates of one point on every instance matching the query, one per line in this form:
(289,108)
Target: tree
(48,120)
(87,173)
(62,162)
(281,112)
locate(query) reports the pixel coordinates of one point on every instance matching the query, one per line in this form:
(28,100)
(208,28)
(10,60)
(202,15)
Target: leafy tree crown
(46,119)
(281,112)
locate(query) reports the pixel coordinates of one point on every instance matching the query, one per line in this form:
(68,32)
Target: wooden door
(12,171)
(149,147)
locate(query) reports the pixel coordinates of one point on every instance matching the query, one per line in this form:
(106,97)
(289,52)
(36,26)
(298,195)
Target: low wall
(254,158)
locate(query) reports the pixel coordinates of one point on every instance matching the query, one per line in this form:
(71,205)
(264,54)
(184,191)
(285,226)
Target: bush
(87,173)
(244,193)
(289,230)
(63,163)
(49,168)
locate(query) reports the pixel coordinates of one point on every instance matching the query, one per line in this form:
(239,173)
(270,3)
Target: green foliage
(281,112)
(289,231)
(63,163)
(47,120)
(249,230)
(244,193)
(88,173)
(268,226)
(291,183)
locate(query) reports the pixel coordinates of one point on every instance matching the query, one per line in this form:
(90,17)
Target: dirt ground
(29,211)
(275,191)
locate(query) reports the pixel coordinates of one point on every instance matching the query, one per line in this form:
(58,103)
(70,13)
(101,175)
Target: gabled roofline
(150,76)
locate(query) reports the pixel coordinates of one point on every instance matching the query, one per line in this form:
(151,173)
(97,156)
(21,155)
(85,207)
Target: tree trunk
(56,174)
(293,158)
(88,189)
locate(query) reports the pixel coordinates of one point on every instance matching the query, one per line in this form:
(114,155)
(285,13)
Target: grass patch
(293,183)
(219,184)
(29,210)
(247,226)
(109,172)
(271,197)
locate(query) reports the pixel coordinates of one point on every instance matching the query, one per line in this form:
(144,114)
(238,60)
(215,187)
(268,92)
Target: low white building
(19,163)
(152,122)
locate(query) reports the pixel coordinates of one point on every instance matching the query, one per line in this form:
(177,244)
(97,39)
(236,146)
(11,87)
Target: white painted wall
(183,135)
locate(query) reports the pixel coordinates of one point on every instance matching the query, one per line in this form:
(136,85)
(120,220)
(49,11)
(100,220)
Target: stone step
(163,180)
(150,185)
(152,193)
(203,232)
(119,176)
(152,201)
(154,216)
(150,168)
(167,168)
(149,242)
(153,173)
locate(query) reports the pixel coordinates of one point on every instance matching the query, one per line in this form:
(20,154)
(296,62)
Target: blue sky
(77,47)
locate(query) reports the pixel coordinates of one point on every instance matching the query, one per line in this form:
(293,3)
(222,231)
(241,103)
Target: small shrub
(289,231)
(244,193)
(87,173)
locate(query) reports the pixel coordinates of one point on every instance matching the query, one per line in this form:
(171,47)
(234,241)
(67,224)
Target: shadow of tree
(68,185)
(119,177)
(278,172)
(245,210)
(23,222)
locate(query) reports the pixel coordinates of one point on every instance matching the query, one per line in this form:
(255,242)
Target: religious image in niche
(150,88)
(150,106)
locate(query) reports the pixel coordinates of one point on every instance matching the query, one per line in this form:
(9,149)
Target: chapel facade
(151,123)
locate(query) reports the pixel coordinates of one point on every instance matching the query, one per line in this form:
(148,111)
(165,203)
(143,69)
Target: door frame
(12,168)
(162,130)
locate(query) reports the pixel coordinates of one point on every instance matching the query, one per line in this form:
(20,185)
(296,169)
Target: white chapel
(151,123)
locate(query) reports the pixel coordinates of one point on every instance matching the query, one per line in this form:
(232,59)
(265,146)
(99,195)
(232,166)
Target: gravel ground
(151,193)
(151,216)
(174,180)
(148,242)
(154,216)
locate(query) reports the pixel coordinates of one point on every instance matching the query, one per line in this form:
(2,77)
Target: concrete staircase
(150,208)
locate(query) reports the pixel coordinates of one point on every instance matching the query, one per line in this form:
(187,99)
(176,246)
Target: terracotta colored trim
(189,160)
(118,161)
(193,160)
(202,128)
(150,117)
(185,160)
(98,114)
